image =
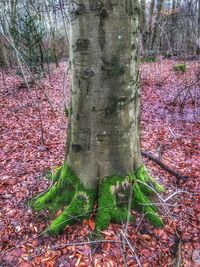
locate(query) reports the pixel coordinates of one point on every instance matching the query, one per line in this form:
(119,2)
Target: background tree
(3,60)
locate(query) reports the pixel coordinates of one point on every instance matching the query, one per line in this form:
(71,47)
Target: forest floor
(33,142)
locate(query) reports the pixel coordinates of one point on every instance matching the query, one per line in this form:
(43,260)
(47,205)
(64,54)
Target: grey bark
(105,107)
(3,60)
(151,14)
(198,35)
(142,23)
(156,30)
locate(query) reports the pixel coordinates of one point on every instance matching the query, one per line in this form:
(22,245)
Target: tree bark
(3,60)
(142,24)
(104,94)
(156,30)
(151,22)
(198,31)
(104,160)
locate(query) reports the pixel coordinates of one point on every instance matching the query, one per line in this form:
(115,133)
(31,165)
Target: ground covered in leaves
(33,142)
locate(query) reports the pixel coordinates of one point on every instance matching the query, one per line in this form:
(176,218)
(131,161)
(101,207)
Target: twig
(77,244)
(173,134)
(177,251)
(122,250)
(4,182)
(131,247)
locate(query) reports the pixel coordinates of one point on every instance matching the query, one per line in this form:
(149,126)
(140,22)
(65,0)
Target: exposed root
(60,194)
(113,199)
(76,202)
(143,204)
(143,175)
(112,205)
(79,209)
(67,190)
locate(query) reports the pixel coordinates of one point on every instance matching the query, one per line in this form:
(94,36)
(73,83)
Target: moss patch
(115,192)
(143,176)
(113,200)
(179,68)
(67,190)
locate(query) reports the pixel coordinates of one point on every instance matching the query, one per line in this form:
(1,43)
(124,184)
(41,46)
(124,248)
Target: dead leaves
(24,159)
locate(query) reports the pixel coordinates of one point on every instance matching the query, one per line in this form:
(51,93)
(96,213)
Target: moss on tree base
(69,194)
(115,192)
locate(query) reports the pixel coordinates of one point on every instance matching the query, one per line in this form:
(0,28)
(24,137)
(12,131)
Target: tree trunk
(103,95)
(198,32)
(3,60)
(173,27)
(104,158)
(151,23)
(156,30)
(142,24)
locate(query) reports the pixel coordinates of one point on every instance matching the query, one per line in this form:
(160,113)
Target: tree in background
(103,162)
(3,59)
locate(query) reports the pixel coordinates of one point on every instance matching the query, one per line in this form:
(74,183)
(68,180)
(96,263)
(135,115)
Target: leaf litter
(168,131)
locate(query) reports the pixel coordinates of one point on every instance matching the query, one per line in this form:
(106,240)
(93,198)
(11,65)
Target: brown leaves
(24,158)
(91,223)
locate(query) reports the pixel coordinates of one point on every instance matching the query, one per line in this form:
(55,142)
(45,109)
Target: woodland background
(34,95)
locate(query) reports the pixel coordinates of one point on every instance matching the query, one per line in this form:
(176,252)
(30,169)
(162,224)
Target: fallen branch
(164,166)
(177,262)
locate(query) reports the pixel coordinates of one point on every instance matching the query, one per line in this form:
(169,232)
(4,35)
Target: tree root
(113,199)
(66,191)
(115,192)
(143,176)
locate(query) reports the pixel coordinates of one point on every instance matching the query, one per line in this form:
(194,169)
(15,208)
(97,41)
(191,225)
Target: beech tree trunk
(103,164)
(104,138)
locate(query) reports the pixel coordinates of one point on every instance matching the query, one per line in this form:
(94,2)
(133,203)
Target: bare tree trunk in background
(13,13)
(53,38)
(173,26)
(142,24)
(3,59)
(156,29)
(150,28)
(66,30)
(198,36)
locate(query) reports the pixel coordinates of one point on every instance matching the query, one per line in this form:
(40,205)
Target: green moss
(76,201)
(149,59)
(145,206)
(79,209)
(60,194)
(121,215)
(67,190)
(112,204)
(55,175)
(113,201)
(143,175)
(102,220)
(150,56)
(179,68)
